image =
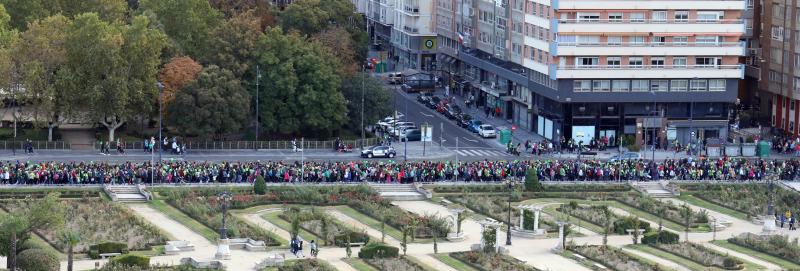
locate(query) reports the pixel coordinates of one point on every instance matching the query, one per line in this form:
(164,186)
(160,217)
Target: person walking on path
(314,248)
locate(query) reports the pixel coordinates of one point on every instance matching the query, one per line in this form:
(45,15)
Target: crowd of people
(175,172)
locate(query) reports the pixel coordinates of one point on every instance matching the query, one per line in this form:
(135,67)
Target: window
(637,40)
(775,55)
(613,62)
(614,40)
(681,16)
(797,84)
(592,40)
(774,77)
(588,17)
(582,86)
(621,86)
(777,33)
(615,17)
(777,10)
(680,40)
(697,85)
(635,62)
(678,61)
(587,62)
(657,62)
(639,85)
(659,40)
(679,85)
(706,39)
(659,16)
(709,16)
(716,85)
(601,85)
(750,3)
(567,39)
(704,61)
(637,17)
(659,85)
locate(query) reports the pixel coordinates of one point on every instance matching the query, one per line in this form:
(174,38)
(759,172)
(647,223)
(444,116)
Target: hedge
(132,260)
(378,250)
(355,237)
(108,247)
(663,237)
(622,225)
(37,260)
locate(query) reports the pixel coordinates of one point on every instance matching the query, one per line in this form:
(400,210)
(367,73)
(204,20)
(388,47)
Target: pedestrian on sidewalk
(527,145)
(314,249)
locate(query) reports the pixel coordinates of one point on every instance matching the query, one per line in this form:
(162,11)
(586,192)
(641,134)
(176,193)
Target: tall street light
(364,78)
(258,117)
(160,119)
(223,250)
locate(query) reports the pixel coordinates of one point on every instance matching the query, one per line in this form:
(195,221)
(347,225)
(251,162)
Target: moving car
(411,134)
(486,131)
(474,125)
(626,156)
(399,126)
(379,151)
(395,78)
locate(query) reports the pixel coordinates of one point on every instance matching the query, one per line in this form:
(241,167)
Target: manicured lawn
(273,218)
(454,263)
(371,222)
(182,218)
(769,258)
(691,199)
(359,265)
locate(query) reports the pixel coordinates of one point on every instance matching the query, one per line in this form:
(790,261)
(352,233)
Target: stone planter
(749,149)
(713,151)
(733,150)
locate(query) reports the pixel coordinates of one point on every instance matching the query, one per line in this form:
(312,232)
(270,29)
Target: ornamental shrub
(354,236)
(378,250)
(260,186)
(37,260)
(664,237)
(532,183)
(623,224)
(132,260)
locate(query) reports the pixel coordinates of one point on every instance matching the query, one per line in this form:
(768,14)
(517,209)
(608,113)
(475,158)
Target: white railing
(649,44)
(649,21)
(648,67)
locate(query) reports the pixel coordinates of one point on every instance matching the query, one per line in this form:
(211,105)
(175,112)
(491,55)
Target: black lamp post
(224,197)
(160,118)
(508,231)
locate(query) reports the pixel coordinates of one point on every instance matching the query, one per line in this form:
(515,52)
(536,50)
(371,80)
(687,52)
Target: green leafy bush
(260,186)
(378,250)
(776,245)
(532,183)
(663,237)
(625,223)
(355,237)
(108,247)
(132,260)
(37,260)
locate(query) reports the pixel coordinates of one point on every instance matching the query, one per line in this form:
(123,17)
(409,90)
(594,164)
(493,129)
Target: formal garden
(750,198)
(701,255)
(326,229)
(491,261)
(612,258)
(681,215)
(779,246)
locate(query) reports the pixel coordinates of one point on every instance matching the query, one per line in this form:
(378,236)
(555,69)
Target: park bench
(579,256)
(247,244)
(109,255)
(358,244)
(600,266)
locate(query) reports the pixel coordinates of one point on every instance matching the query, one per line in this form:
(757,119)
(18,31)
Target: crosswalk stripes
(480,153)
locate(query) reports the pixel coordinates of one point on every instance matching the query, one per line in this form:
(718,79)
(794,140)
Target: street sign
(427,132)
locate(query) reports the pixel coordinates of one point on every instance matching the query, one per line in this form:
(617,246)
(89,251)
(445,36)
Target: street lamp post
(160,120)
(223,250)
(258,117)
(508,230)
(364,78)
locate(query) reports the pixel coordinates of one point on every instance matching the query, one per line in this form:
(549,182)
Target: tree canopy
(376,98)
(188,23)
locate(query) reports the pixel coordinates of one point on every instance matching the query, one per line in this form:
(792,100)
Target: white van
(395,77)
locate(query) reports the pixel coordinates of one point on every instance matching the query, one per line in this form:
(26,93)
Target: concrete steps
(653,189)
(125,193)
(399,192)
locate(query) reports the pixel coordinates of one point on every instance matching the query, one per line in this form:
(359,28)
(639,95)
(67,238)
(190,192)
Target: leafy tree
(39,55)
(686,212)
(260,186)
(34,214)
(38,260)
(312,16)
(295,225)
(112,11)
(608,222)
(338,41)
(636,228)
(26,11)
(189,23)
(404,241)
(69,238)
(176,74)
(211,106)
(463,215)
(661,212)
(304,88)
(377,100)
(234,43)
(532,183)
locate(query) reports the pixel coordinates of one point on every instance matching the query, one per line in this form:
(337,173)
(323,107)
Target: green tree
(35,259)
(377,100)
(295,225)
(234,44)
(636,227)
(304,88)
(213,105)
(532,183)
(312,16)
(189,23)
(69,238)
(661,212)
(687,214)
(404,241)
(260,186)
(608,217)
(34,214)
(26,11)
(141,53)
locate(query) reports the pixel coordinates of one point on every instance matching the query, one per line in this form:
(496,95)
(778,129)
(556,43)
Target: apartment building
(405,29)
(659,70)
(776,60)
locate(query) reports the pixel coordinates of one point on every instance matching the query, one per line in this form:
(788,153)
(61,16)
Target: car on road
(395,78)
(424,97)
(452,111)
(474,125)
(487,131)
(379,151)
(395,128)
(463,120)
(411,134)
(433,102)
(442,106)
(626,156)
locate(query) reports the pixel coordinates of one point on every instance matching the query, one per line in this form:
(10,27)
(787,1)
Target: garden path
(374,234)
(575,227)
(256,219)
(168,225)
(653,224)
(738,225)
(433,262)
(660,261)
(768,265)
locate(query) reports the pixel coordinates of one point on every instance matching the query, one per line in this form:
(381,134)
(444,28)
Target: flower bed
(491,261)
(394,264)
(497,209)
(776,245)
(98,221)
(613,258)
(751,199)
(327,228)
(306,265)
(590,213)
(673,212)
(702,255)
(207,211)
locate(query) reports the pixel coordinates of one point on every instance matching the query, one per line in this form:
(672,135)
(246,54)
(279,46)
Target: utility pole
(456,151)
(364,78)
(302,159)
(258,117)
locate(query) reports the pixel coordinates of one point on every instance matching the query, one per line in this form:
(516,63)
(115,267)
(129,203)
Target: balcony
(650,72)
(653,4)
(651,49)
(412,10)
(645,26)
(412,30)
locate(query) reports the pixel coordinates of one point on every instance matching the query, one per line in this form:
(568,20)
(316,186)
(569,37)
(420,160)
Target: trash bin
(504,136)
(763,149)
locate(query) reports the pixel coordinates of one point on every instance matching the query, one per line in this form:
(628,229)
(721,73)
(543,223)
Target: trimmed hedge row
(132,260)
(108,247)
(663,237)
(378,250)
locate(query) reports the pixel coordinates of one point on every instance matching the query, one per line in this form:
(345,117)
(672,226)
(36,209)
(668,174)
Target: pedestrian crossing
(480,153)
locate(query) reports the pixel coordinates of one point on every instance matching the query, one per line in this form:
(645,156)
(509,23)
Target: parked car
(397,127)
(626,156)
(452,111)
(395,78)
(442,106)
(424,97)
(433,102)
(463,120)
(379,151)
(474,125)
(411,134)
(487,131)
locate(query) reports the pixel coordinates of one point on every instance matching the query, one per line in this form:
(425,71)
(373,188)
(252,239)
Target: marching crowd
(175,172)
